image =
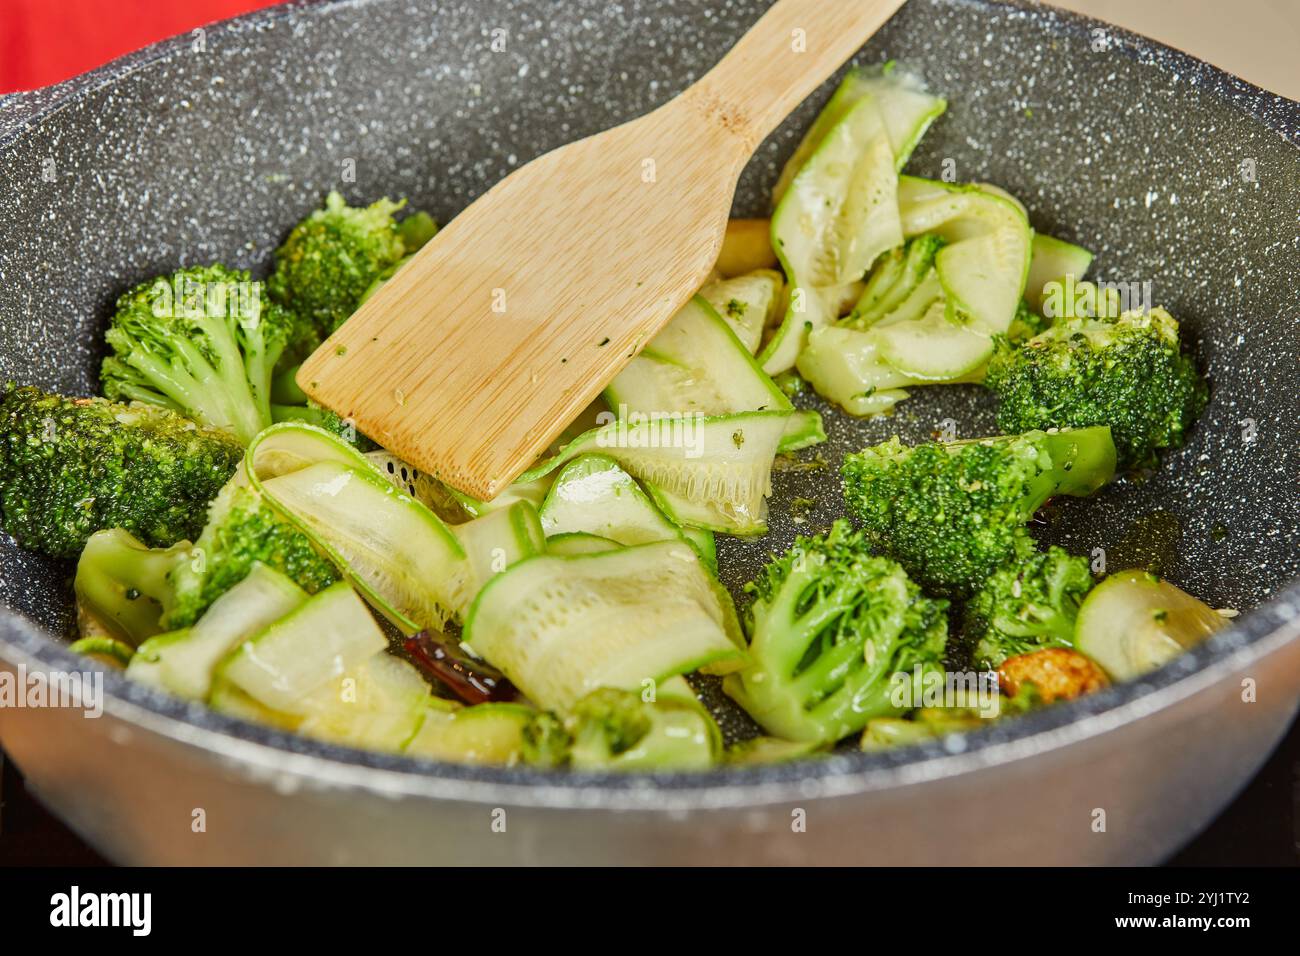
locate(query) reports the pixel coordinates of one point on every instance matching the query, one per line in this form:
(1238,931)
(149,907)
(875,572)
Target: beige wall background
(1258,40)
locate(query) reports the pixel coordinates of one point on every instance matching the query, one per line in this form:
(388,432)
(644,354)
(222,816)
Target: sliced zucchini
(985,264)
(1053,260)
(847,95)
(228,699)
(532,491)
(559,627)
(951,211)
(748,303)
(498,540)
(183,661)
(932,348)
(107,650)
(804,310)
(457,507)
(841,211)
(579,542)
(894,280)
(926,292)
(378,704)
(905,109)
(289,446)
(721,464)
(593,494)
(701,514)
(284,663)
(397,552)
(694,365)
(844,366)
(803,430)
(697,365)
(705,546)
(983,278)
(483,734)
(1001,193)
(1133,622)
(393,549)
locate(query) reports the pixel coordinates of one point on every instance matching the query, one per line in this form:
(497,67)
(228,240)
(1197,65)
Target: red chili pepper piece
(474,682)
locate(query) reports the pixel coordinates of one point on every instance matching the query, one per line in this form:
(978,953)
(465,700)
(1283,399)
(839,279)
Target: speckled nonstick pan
(209,146)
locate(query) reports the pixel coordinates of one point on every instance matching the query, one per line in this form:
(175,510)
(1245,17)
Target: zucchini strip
(283,664)
(560,627)
(984,266)
(747,303)
(725,461)
(905,108)
(393,549)
(496,541)
(697,365)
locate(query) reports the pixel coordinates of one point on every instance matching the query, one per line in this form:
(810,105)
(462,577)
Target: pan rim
(1263,631)
(300,761)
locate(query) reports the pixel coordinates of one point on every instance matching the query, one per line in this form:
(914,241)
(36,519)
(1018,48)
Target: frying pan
(209,146)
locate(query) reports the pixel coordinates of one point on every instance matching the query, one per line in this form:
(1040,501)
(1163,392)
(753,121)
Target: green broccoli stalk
(203,342)
(242,529)
(72,466)
(830,628)
(953,513)
(1128,373)
(1026,606)
(612,729)
(336,254)
(124,587)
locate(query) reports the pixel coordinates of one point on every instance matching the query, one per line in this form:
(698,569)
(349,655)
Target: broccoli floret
(124,586)
(830,627)
(242,529)
(1128,373)
(1027,605)
(336,254)
(72,466)
(953,513)
(204,342)
(612,729)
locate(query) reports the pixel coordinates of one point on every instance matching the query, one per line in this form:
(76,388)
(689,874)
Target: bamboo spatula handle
(795,47)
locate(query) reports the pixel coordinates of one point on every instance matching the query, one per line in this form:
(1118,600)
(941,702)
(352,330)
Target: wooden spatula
(513,318)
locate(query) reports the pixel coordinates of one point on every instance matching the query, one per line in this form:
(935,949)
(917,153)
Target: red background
(45,41)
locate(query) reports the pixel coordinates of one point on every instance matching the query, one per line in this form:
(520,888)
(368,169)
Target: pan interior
(210,147)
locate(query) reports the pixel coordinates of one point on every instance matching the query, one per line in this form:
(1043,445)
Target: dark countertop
(1260,828)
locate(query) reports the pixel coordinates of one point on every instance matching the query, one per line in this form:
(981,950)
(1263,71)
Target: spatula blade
(505,326)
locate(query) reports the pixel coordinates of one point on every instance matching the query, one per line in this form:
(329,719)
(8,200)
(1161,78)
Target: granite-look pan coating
(210,146)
